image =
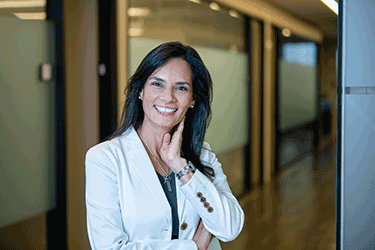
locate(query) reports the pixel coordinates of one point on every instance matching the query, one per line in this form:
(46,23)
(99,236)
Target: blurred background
(63,69)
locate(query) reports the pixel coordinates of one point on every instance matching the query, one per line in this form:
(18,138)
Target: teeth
(165,110)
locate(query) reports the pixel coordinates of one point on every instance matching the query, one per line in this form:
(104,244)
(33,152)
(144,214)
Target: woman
(156,184)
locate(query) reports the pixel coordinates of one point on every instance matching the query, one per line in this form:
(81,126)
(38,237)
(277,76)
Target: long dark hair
(196,119)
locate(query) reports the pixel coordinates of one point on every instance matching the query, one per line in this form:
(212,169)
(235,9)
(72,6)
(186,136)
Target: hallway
(296,211)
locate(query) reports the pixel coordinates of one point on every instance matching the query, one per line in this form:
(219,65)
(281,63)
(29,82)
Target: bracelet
(185,170)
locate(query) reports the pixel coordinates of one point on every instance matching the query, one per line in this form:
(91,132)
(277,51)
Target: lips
(165,110)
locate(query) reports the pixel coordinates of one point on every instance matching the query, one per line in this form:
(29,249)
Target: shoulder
(209,158)
(109,149)
(206,146)
(104,155)
(207,155)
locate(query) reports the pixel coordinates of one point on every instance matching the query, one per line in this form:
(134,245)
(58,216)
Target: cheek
(146,105)
(148,99)
(187,102)
(185,109)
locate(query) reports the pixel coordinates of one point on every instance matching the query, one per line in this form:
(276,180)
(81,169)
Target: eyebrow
(157,79)
(162,80)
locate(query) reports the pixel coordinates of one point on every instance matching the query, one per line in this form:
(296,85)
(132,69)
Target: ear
(141,95)
(192,103)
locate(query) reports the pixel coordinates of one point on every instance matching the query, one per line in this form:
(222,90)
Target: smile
(165,110)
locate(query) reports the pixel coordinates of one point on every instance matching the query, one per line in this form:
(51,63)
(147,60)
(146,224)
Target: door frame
(56,218)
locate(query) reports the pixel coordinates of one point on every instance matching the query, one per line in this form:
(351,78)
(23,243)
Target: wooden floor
(296,211)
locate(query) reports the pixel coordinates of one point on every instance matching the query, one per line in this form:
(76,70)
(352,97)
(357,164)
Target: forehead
(175,68)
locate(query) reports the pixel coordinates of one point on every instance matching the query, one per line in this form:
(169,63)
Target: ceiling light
(234,14)
(196,1)
(136,28)
(138,12)
(286,32)
(31,15)
(332,4)
(233,48)
(133,32)
(214,6)
(22,4)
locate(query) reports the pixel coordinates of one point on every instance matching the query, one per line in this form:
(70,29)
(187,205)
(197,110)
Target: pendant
(168,181)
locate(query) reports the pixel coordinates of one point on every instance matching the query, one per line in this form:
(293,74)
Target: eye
(157,84)
(182,88)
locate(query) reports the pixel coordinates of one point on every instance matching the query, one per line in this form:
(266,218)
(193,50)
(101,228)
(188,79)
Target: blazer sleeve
(104,220)
(220,211)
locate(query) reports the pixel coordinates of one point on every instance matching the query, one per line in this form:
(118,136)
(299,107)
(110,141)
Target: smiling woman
(161,186)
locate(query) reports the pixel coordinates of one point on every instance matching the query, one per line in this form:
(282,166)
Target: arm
(202,237)
(219,210)
(223,217)
(104,219)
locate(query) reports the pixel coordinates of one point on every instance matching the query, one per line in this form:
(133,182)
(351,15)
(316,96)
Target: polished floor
(296,211)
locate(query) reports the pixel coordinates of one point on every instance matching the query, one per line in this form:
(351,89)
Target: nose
(168,96)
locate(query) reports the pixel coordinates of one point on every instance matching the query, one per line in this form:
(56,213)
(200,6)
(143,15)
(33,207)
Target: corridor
(296,211)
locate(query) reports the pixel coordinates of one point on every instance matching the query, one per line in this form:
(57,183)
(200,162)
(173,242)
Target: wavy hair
(196,119)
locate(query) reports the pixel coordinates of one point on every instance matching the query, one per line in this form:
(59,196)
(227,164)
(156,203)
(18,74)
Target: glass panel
(26,113)
(298,91)
(298,100)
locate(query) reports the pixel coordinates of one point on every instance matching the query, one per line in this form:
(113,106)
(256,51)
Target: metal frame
(56,218)
(108,60)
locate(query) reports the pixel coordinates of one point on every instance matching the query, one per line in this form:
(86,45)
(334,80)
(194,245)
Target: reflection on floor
(297,211)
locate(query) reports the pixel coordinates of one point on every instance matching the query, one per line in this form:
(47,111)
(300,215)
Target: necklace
(167,179)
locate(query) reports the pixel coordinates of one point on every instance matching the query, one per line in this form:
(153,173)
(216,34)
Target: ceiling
(312,11)
(9,7)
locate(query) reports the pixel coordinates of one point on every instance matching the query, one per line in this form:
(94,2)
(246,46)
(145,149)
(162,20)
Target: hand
(202,237)
(170,151)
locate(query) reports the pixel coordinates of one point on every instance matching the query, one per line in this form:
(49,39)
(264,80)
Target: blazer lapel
(141,162)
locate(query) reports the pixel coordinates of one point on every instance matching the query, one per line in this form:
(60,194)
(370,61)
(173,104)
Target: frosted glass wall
(229,124)
(298,90)
(26,121)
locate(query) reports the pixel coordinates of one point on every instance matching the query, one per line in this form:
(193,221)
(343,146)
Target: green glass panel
(26,120)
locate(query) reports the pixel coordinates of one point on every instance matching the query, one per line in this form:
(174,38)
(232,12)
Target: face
(168,94)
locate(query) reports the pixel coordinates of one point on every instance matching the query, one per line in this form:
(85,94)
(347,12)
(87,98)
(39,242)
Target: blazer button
(203,199)
(199,194)
(206,204)
(184,226)
(210,209)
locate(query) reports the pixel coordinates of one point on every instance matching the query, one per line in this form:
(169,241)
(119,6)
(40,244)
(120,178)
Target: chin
(166,125)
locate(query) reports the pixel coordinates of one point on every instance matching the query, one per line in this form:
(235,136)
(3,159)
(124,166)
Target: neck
(153,137)
(153,144)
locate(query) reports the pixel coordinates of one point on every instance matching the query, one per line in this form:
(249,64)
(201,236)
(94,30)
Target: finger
(166,140)
(180,127)
(177,136)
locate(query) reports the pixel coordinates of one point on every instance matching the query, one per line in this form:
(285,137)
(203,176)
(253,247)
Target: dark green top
(172,199)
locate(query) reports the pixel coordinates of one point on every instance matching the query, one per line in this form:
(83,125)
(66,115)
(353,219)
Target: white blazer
(127,207)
